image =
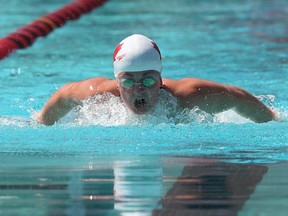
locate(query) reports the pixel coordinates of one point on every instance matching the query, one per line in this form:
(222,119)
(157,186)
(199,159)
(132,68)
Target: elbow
(45,121)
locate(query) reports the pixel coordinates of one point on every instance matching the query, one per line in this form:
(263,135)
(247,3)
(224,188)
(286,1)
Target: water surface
(105,161)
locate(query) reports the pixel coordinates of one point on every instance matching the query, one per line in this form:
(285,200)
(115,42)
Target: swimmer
(138,69)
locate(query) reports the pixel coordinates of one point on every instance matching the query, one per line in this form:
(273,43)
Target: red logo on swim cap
(116,51)
(156,47)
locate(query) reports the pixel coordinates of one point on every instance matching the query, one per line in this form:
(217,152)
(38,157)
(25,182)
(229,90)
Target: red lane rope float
(26,35)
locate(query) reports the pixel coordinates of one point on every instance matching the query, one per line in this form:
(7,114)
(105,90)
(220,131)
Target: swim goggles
(129,83)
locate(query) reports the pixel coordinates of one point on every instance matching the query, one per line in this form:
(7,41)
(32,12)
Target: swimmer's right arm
(70,95)
(60,103)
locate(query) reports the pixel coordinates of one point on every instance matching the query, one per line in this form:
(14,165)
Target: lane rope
(26,35)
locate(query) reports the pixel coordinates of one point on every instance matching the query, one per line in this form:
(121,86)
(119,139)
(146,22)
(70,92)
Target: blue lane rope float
(26,35)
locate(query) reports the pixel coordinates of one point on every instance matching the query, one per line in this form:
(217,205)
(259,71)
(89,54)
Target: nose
(139,85)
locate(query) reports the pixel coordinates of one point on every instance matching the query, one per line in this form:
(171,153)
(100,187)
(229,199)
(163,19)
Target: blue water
(101,160)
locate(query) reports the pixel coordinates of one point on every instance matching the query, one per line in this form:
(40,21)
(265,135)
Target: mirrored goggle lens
(147,82)
(127,83)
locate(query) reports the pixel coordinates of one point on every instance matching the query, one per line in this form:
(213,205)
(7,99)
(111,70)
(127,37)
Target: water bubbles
(109,110)
(230,116)
(15,72)
(193,115)
(267,99)
(17,121)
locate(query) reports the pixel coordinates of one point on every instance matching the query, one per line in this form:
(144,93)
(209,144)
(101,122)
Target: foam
(108,110)
(17,121)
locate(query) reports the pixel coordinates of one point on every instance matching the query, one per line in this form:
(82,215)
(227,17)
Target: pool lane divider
(26,35)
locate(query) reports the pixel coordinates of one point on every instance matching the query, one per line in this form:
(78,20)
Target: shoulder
(90,87)
(95,80)
(183,85)
(189,86)
(100,85)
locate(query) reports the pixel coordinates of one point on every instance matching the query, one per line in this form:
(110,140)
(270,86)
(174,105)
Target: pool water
(103,160)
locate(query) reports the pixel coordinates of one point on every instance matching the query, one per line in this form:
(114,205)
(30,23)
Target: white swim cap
(137,53)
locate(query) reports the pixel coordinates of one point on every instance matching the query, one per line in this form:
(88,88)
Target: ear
(117,84)
(161,82)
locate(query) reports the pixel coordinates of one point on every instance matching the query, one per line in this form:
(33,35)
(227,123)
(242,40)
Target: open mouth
(140,103)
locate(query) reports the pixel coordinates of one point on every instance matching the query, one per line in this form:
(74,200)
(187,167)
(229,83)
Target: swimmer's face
(139,90)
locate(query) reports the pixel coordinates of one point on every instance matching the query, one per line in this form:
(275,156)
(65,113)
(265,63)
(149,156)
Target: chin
(140,106)
(140,111)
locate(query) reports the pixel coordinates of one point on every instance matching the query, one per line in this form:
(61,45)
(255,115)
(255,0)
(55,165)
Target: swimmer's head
(137,53)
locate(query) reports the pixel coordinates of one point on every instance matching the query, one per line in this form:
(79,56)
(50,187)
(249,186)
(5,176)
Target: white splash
(108,110)
(18,121)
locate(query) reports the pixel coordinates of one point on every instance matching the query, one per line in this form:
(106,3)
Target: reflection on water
(134,186)
(214,187)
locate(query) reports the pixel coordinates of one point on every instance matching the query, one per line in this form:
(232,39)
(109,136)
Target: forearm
(60,103)
(257,112)
(54,110)
(250,107)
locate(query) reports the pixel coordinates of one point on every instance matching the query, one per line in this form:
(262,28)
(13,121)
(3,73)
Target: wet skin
(209,96)
(139,98)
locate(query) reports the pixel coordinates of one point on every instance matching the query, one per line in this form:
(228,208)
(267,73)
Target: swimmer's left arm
(250,107)
(214,98)
(241,101)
